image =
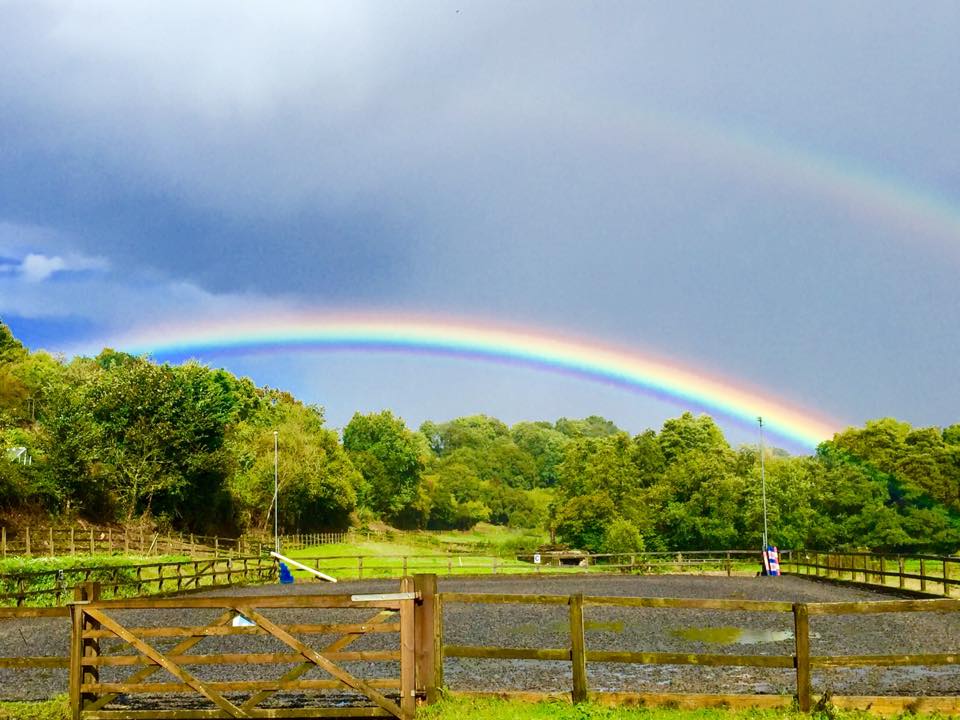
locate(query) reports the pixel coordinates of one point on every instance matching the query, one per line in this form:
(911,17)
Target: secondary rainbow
(687,387)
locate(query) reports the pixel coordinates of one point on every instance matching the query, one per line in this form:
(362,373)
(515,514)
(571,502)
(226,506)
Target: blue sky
(592,168)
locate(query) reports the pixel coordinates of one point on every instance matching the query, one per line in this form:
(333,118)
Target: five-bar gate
(314,643)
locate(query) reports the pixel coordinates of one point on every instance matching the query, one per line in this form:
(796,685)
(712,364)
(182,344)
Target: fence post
(923,575)
(50,542)
(946,586)
(81,647)
(359,567)
(801,633)
(425,621)
(27,537)
(578,652)
(408,653)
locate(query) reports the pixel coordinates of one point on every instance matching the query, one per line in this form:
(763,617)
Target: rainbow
(582,358)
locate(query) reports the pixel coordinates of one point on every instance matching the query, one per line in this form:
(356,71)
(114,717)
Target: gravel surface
(646,629)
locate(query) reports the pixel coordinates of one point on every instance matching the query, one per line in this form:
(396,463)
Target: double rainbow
(639,372)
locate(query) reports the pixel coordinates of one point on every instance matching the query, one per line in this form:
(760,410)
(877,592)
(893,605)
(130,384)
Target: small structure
(19,455)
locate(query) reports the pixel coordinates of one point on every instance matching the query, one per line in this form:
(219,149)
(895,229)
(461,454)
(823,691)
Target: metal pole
(276,489)
(763,486)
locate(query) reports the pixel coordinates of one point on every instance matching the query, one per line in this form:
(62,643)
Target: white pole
(276,489)
(763,486)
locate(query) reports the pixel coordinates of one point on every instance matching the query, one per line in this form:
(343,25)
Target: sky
(768,193)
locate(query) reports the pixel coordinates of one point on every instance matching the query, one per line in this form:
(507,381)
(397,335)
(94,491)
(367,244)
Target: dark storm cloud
(527,161)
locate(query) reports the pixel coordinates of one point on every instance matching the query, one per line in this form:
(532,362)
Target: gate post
(426,619)
(81,647)
(408,657)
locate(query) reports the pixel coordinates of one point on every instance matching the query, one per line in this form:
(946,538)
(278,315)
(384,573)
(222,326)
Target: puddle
(731,635)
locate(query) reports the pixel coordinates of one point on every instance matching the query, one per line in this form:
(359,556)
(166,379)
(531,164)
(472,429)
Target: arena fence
(416,615)
(926,573)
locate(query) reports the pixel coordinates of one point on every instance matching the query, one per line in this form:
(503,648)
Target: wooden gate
(186,692)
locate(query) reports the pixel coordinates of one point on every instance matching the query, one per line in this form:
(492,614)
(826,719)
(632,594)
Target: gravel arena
(526,626)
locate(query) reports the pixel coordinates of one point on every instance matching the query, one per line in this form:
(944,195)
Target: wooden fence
(801,661)
(926,573)
(54,587)
(59,541)
(422,652)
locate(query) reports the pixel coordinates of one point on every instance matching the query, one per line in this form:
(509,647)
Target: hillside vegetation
(118,437)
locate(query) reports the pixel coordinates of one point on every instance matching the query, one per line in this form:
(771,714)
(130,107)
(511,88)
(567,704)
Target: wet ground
(607,628)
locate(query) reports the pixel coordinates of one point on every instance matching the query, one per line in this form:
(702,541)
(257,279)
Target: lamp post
(276,488)
(763,486)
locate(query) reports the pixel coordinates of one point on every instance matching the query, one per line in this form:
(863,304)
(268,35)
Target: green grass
(17,565)
(384,559)
(54,709)
(471,708)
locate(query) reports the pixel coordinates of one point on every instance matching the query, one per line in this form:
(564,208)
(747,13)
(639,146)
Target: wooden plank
(883,660)
(336,646)
(35,662)
(660,658)
(245,658)
(691,604)
(473,651)
(578,649)
(31,612)
(297,713)
(321,661)
(504,598)
(267,601)
(236,686)
(168,665)
(883,606)
(338,629)
(408,651)
(893,705)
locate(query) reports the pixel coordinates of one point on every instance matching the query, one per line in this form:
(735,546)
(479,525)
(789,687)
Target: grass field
(470,708)
(484,551)
(474,709)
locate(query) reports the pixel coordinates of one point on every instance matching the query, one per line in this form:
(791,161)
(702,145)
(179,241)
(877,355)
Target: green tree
(390,459)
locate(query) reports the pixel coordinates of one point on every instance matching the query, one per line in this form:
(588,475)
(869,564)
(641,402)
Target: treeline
(118,437)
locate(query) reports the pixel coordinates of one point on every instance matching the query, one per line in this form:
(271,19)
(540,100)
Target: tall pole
(763,486)
(276,489)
